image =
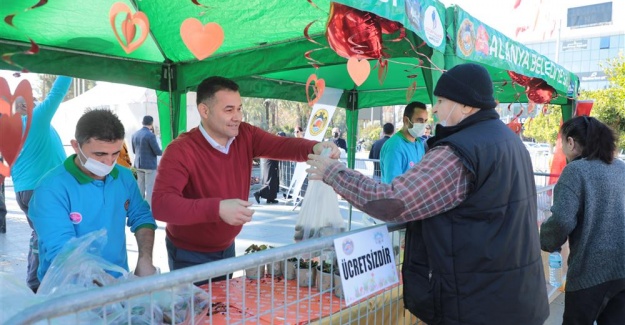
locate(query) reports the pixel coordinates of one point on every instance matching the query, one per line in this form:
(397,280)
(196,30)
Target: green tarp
(263,50)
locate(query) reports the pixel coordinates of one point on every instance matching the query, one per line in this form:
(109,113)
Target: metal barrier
(290,298)
(172,298)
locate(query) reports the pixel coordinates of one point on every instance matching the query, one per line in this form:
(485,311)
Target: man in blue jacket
(146,149)
(41,152)
(88,192)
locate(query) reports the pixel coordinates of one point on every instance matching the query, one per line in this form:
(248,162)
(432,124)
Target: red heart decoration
(12,136)
(128,26)
(318,88)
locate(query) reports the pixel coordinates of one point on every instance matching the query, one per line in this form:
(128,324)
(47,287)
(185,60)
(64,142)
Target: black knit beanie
(467,84)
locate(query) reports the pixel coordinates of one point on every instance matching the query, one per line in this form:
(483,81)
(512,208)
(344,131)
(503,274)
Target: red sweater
(193,177)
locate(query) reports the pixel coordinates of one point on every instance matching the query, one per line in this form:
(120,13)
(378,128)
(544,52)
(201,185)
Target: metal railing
(172,298)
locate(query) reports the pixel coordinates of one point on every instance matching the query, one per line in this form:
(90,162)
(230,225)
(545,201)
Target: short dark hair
(211,85)
(299,128)
(409,110)
(388,128)
(597,139)
(99,124)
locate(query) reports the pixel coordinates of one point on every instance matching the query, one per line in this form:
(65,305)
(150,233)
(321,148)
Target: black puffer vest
(480,262)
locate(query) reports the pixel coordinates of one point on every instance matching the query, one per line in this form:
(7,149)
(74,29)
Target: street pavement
(272,224)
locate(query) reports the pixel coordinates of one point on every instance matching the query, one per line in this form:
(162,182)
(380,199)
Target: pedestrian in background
(388,129)
(146,149)
(270,169)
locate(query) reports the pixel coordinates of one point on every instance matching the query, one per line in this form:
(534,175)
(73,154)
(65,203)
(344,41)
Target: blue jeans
(179,258)
(23,198)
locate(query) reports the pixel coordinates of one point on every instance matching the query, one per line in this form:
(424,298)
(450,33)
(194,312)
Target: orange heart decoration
(201,40)
(128,26)
(358,70)
(410,91)
(12,134)
(318,88)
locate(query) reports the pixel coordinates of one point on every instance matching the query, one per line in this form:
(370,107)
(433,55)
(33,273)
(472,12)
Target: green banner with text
(477,42)
(426,18)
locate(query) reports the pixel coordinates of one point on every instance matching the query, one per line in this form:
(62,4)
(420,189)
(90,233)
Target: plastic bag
(78,267)
(15,296)
(320,215)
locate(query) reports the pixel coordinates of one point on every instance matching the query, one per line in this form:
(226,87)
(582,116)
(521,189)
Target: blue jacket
(398,155)
(145,148)
(67,204)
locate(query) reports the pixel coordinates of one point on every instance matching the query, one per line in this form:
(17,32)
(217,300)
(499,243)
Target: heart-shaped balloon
(201,40)
(12,133)
(128,26)
(539,91)
(318,86)
(519,78)
(354,33)
(359,70)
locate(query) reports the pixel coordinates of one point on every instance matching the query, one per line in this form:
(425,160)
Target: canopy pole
(352,132)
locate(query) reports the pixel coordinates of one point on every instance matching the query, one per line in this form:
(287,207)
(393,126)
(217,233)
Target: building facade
(581,35)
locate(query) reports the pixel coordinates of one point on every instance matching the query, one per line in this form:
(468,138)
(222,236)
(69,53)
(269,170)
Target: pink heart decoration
(201,40)
(358,70)
(128,26)
(318,86)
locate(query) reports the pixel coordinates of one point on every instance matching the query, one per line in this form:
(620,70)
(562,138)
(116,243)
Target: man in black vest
(472,248)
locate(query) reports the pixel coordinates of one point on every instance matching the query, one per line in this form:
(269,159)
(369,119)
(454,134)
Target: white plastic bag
(320,215)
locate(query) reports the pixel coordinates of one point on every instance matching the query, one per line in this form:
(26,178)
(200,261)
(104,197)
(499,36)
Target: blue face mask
(94,166)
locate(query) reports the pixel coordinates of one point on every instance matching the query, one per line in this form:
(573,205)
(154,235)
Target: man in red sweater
(203,181)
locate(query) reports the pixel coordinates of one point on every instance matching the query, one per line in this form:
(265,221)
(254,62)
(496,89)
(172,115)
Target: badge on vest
(75,217)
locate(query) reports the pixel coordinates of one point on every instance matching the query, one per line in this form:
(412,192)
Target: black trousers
(604,303)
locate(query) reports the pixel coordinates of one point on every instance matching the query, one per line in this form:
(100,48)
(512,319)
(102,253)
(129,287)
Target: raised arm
(48,107)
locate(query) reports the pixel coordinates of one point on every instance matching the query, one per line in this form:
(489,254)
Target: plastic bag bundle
(78,267)
(320,215)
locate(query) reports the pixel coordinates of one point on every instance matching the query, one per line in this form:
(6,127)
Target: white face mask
(444,122)
(94,166)
(417,129)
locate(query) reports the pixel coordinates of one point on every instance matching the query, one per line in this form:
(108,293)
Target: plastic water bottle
(555,269)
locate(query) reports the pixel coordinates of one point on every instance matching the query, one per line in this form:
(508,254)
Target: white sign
(366,262)
(316,128)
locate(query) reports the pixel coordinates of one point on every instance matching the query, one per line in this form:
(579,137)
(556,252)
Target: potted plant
(290,269)
(258,271)
(325,276)
(275,268)
(306,272)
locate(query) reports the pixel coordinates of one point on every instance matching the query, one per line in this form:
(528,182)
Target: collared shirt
(68,203)
(439,183)
(220,148)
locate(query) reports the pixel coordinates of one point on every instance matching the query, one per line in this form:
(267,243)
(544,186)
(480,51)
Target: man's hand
(318,167)
(235,212)
(144,267)
(335,153)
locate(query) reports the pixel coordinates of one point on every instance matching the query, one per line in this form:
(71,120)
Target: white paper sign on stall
(366,262)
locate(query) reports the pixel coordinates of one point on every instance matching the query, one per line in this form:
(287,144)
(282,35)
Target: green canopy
(263,50)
